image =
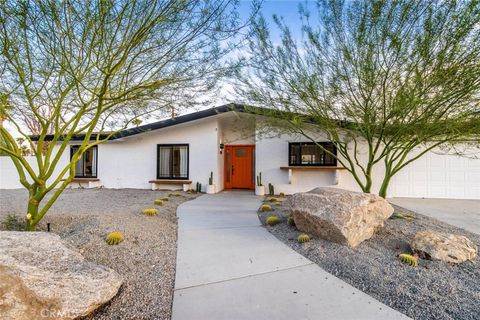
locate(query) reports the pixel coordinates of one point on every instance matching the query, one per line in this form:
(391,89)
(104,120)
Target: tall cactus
(210,180)
(259,179)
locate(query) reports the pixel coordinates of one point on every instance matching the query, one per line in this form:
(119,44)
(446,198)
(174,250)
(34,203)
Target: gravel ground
(146,258)
(433,290)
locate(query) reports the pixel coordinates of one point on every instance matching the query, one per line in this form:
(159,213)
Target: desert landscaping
(431,289)
(144,262)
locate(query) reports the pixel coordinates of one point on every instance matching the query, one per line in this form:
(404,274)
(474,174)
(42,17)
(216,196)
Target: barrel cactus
(272,220)
(166,198)
(265,207)
(158,202)
(150,212)
(303,238)
(408,259)
(114,238)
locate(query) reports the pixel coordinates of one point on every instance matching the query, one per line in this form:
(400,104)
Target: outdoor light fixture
(222,146)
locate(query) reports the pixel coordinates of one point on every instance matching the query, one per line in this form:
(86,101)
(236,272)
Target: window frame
(324,143)
(172,145)
(83,159)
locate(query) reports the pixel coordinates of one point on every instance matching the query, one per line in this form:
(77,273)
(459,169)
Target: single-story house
(179,152)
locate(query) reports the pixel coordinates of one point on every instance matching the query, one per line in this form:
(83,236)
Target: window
(172,161)
(86,166)
(310,154)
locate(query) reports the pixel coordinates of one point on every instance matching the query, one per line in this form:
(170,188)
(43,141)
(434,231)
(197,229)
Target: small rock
(339,215)
(445,247)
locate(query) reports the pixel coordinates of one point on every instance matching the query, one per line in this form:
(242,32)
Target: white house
(177,153)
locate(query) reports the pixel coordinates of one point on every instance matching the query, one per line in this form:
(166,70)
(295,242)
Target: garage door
(439,176)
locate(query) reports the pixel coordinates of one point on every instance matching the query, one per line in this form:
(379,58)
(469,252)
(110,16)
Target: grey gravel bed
(433,290)
(146,258)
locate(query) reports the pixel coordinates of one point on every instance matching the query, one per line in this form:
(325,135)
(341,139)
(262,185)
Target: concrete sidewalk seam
(245,277)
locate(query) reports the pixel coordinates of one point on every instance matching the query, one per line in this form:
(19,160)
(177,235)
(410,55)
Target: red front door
(239,167)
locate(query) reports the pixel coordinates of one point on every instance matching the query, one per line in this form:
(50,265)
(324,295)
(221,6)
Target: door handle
(233,169)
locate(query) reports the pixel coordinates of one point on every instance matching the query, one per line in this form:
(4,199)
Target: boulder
(40,278)
(339,215)
(445,247)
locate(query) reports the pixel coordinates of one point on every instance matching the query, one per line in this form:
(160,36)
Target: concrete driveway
(229,267)
(461,213)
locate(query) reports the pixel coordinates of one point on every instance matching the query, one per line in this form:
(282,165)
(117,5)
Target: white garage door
(439,176)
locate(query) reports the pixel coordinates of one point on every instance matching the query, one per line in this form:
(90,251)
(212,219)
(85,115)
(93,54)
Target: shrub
(12,223)
(273,199)
(291,222)
(158,202)
(114,238)
(303,238)
(272,220)
(281,194)
(408,259)
(150,212)
(265,208)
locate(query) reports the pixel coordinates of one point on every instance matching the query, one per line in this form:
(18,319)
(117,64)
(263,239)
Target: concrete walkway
(230,267)
(461,213)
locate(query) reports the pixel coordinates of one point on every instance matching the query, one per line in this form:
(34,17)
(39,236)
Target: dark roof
(160,124)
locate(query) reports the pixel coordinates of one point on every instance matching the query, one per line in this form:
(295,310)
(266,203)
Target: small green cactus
(281,194)
(408,259)
(259,179)
(176,194)
(272,220)
(114,238)
(158,202)
(290,221)
(303,238)
(198,187)
(210,179)
(278,203)
(265,208)
(271,190)
(150,212)
(273,199)
(166,198)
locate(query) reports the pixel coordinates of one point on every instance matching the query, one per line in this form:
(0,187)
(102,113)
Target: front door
(239,167)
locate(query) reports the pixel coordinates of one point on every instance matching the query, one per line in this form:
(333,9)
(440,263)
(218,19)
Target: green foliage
(407,217)
(408,259)
(302,238)
(150,212)
(210,179)
(265,208)
(290,221)
(12,223)
(158,202)
(379,74)
(272,220)
(166,198)
(273,199)
(281,194)
(259,180)
(114,238)
(88,69)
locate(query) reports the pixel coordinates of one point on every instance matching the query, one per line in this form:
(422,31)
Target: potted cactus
(259,188)
(211,186)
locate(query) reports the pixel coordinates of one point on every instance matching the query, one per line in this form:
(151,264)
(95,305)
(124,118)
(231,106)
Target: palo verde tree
(79,68)
(385,81)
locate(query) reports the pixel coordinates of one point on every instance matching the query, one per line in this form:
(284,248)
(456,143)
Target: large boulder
(446,247)
(339,215)
(40,278)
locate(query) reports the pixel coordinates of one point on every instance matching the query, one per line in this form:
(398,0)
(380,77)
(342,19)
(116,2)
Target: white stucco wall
(9,178)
